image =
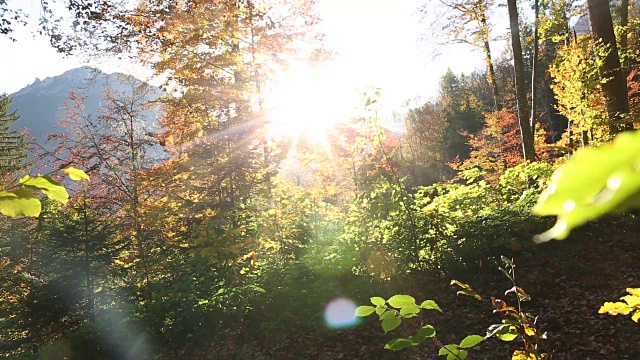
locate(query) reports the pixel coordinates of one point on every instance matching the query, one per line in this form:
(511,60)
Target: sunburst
(307,102)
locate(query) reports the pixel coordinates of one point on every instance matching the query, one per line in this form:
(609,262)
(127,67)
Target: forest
(230,230)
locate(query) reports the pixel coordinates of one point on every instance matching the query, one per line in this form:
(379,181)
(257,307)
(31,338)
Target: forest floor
(567,280)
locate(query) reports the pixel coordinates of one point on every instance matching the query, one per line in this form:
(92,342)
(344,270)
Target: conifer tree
(12,145)
(80,246)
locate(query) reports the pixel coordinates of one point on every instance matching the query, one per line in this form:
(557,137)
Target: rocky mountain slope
(40,104)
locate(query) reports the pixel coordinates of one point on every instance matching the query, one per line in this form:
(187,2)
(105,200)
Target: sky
(377,44)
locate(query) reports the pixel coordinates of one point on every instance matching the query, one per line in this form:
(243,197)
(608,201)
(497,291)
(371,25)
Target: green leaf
(427,331)
(390,324)
(364,310)
(466,289)
(510,336)
(507,261)
(430,305)
(514,322)
(461,284)
(398,344)
(376,300)
(388,315)
(469,293)
(505,332)
(449,349)
(471,341)
(416,340)
(19,202)
(380,309)
(51,188)
(76,174)
(453,352)
(400,301)
(595,182)
(410,311)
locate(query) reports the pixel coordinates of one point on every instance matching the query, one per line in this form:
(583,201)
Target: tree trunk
(528,149)
(534,68)
(624,21)
(87,263)
(615,88)
(491,73)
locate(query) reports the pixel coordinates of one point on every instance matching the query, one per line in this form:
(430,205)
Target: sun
(307,102)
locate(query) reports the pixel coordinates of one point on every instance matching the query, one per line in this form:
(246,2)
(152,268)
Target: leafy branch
(596,182)
(23,202)
(391,312)
(516,323)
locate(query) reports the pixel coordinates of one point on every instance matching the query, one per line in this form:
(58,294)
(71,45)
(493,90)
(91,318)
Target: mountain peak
(72,75)
(39,104)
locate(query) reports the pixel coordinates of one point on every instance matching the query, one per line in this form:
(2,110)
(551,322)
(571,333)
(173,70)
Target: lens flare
(339,314)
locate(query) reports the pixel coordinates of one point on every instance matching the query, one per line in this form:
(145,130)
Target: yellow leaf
(615,308)
(632,300)
(634,291)
(76,174)
(530,331)
(636,316)
(522,355)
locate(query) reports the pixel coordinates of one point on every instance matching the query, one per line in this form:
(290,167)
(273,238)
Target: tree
(526,134)
(624,22)
(577,85)
(462,114)
(218,56)
(468,24)
(59,275)
(554,33)
(12,145)
(17,266)
(495,149)
(424,145)
(220,67)
(74,279)
(614,83)
(71,25)
(8,16)
(118,146)
(79,248)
